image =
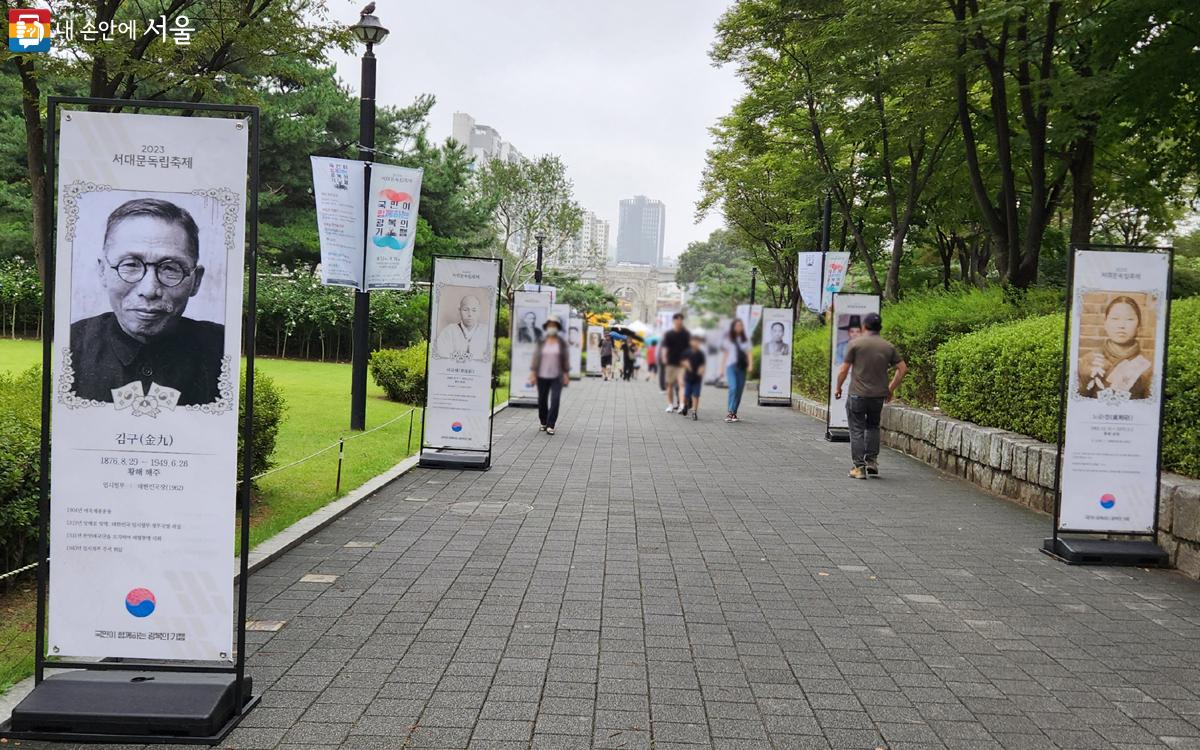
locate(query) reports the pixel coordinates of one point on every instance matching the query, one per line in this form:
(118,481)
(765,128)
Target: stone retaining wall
(1021,469)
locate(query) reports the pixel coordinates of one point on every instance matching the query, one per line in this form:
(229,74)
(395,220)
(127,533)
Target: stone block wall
(1021,469)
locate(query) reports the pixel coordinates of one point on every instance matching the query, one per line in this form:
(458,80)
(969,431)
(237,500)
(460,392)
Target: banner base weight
(1086,551)
(775,402)
(451,460)
(129,707)
(837,435)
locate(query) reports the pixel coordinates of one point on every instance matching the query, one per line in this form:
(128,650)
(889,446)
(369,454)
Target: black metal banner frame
(243,702)
(1055,546)
(843,434)
(447,461)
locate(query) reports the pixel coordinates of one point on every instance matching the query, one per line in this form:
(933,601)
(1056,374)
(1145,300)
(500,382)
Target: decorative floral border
(1113,399)
(231,200)
(491,302)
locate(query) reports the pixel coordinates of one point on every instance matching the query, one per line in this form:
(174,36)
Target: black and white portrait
(529,321)
(148,299)
(464,320)
(776,343)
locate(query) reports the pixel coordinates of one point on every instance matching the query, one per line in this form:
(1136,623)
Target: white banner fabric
(750,315)
(392,226)
(846,324)
(458,394)
(1114,391)
(148,311)
(834,277)
(808,279)
(775,380)
(341,206)
(594,334)
(529,313)
(575,342)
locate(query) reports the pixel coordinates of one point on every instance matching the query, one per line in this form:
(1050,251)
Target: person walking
(737,362)
(693,377)
(651,351)
(550,371)
(674,343)
(868,360)
(606,356)
(628,355)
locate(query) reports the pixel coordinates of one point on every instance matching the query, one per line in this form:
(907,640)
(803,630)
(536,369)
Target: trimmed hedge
(1007,376)
(810,362)
(503,356)
(401,372)
(269,408)
(919,325)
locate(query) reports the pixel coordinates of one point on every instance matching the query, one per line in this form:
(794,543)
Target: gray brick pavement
(644,582)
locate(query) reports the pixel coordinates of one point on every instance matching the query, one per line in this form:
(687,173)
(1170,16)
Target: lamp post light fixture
(370,32)
(537,271)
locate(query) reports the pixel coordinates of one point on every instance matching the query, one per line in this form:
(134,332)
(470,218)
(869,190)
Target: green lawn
(318,414)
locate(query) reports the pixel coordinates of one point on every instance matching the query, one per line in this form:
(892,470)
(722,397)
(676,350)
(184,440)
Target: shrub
(269,408)
(401,372)
(920,324)
(810,362)
(503,356)
(20,440)
(1007,376)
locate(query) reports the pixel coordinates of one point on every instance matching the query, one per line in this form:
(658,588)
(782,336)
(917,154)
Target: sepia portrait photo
(1116,344)
(148,278)
(463,321)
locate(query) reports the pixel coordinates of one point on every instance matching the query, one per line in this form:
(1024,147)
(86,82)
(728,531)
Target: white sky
(623,90)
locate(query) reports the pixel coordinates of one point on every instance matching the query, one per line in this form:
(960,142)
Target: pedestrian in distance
(606,357)
(694,361)
(737,364)
(674,343)
(869,359)
(550,371)
(651,367)
(628,356)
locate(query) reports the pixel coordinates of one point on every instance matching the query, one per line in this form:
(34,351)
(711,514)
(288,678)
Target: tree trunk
(1083,189)
(35,157)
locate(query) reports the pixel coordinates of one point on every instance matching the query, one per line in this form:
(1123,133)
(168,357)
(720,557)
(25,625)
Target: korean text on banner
(834,276)
(846,324)
(148,310)
(808,280)
(529,313)
(1114,391)
(341,206)
(458,395)
(775,380)
(392,226)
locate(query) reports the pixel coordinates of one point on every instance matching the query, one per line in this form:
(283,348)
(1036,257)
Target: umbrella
(639,328)
(616,335)
(625,332)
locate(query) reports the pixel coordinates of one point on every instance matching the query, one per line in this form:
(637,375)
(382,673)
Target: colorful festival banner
(775,379)
(846,324)
(458,393)
(1110,469)
(833,277)
(392,226)
(144,428)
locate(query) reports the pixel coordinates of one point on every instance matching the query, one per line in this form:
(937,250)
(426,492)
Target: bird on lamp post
(369,10)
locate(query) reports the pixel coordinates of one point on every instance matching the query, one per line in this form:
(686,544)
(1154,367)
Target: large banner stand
(138,701)
(1099,546)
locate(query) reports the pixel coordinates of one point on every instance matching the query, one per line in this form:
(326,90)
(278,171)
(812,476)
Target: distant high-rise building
(589,247)
(482,141)
(641,231)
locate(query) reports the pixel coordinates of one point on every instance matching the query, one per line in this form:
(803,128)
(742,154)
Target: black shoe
(696,415)
(872,469)
(684,412)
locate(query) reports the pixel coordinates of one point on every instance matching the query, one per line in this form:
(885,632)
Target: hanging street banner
(665,319)
(353,234)
(575,328)
(458,391)
(529,313)
(775,380)
(594,334)
(144,428)
(833,277)
(341,206)
(1117,357)
(808,279)
(750,315)
(392,226)
(552,291)
(846,324)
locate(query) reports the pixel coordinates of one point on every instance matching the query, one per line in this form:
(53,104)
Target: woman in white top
(737,363)
(550,371)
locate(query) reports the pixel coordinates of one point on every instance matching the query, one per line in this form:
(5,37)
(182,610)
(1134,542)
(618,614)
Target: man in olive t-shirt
(870,357)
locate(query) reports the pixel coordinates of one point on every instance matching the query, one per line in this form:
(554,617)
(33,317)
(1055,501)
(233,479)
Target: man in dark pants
(870,357)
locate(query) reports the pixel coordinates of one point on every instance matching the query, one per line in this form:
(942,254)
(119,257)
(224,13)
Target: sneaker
(549,430)
(729,417)
(858,472)
(695,415)
(542,428)
(683,411)
(872,469)
(734,418)
(669,409)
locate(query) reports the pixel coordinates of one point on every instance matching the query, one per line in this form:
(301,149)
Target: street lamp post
(537,272)
(370,32)
(753,283)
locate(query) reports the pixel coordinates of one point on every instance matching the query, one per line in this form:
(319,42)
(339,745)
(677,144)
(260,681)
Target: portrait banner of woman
(1116,344)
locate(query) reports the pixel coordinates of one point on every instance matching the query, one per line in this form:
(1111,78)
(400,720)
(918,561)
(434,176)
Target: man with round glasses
(149,266)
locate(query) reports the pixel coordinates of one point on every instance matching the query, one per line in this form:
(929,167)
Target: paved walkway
(640,581)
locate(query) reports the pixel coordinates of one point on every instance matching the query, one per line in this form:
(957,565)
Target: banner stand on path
(460,377)
(130,674)
(1109,459)
(775,375)
(847,311)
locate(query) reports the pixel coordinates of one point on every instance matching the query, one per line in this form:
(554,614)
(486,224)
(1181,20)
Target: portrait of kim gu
(145,271)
